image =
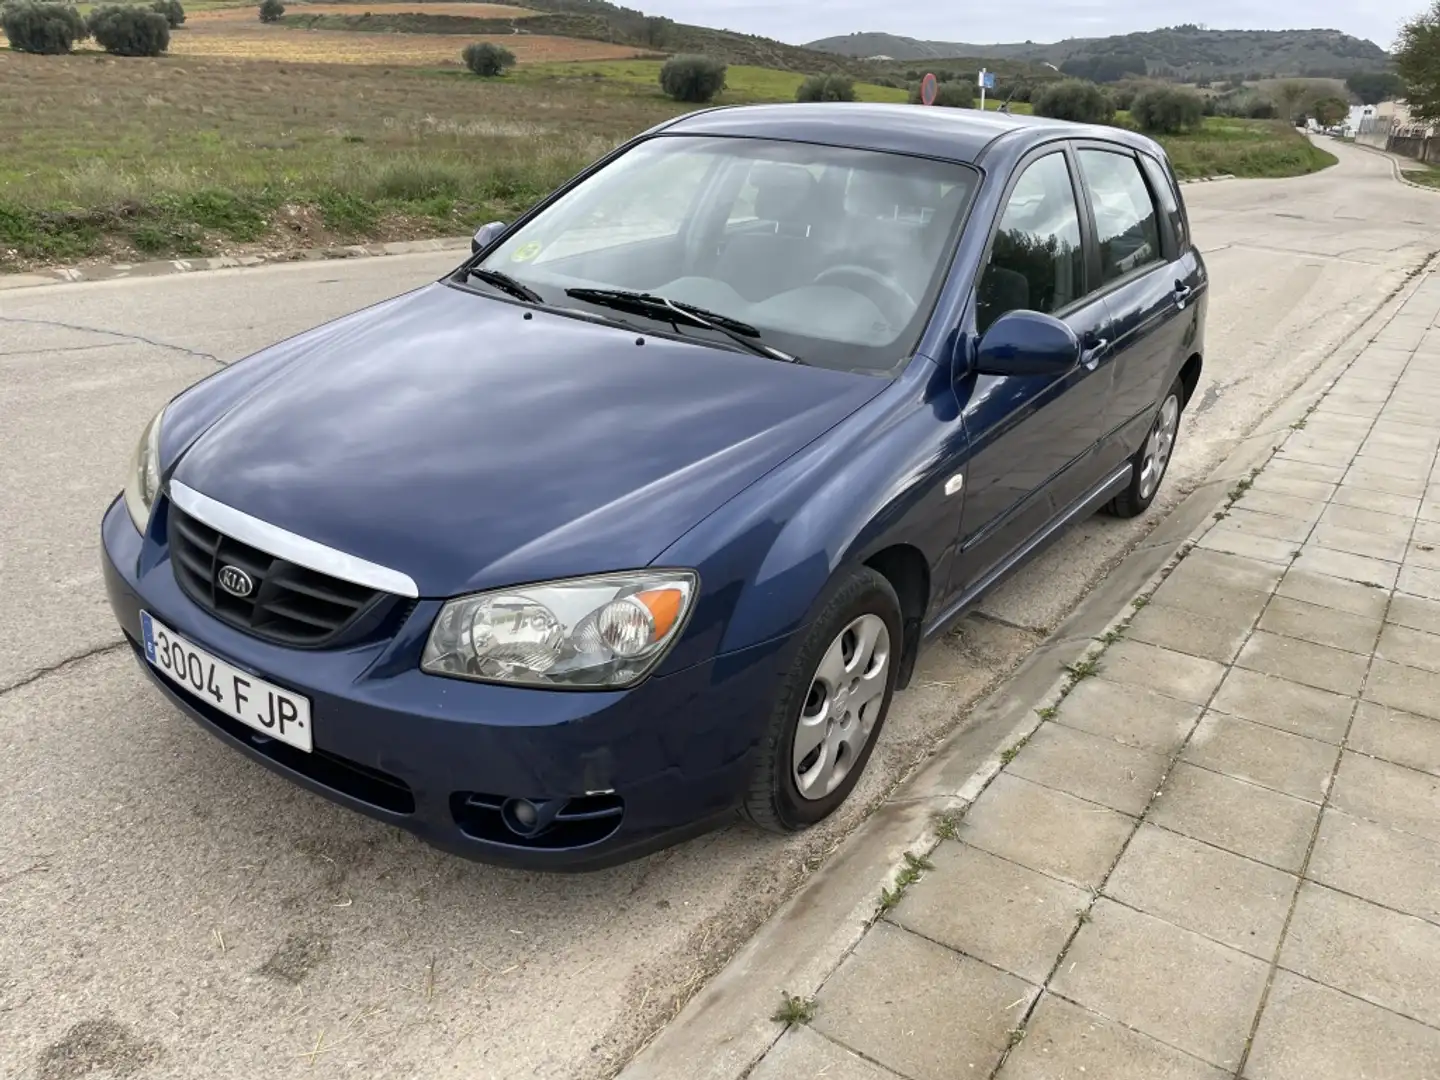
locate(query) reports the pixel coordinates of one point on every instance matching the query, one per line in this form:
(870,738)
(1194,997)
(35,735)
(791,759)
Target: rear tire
(1148,466)
(830,708)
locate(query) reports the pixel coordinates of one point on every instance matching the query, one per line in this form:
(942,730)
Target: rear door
(1139,269)
(1033,439)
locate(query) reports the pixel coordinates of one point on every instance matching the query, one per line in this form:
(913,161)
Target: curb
(1395,167)
(726,1028)
(1208,179)
(162,267)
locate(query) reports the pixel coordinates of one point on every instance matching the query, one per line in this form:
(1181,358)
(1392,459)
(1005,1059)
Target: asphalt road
(169,909)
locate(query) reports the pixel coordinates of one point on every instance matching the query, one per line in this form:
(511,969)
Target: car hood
(471,443)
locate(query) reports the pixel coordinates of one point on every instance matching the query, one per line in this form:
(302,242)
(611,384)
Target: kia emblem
(235,581)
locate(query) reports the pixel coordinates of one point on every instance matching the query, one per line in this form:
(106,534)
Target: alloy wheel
(841,706)
(1158,446)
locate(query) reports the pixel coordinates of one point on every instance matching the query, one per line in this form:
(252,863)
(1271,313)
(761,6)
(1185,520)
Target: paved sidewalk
(1219,854)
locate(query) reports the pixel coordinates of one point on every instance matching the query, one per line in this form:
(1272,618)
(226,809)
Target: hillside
(1178,51)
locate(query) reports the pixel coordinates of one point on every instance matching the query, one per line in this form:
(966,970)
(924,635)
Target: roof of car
(954,134)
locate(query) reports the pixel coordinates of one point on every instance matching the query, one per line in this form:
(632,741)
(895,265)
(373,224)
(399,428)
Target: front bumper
(632,771)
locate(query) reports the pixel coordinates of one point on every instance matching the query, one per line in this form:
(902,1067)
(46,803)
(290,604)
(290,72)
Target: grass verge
(1426,175)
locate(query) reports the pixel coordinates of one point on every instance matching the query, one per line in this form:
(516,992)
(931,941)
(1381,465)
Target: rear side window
(1126,224)
(1164,188)
(1036,260)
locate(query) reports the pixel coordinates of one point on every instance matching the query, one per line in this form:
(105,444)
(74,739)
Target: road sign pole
(982,89)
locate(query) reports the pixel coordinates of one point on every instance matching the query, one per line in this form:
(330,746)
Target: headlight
(595,633)
(144,478)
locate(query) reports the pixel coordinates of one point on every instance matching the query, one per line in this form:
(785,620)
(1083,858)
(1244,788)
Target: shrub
(1075,99)
(1260,108)
(692,78)
(271,10)
(171,9)
(952,95)
(127,30)
(826,88)
(1167,110)
(487,58)
(48,29)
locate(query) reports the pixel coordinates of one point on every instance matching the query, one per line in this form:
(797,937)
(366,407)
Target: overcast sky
(798,21)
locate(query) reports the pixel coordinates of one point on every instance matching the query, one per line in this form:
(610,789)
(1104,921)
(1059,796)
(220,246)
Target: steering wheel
(894,303)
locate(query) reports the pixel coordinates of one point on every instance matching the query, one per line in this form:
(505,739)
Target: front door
(1032,439)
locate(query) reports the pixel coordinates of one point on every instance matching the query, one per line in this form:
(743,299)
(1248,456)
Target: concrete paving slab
(1311,1032)
(1336,670)
(1227,571)
(1397,464)
(1347,515)
(1293,485)
(802,1053)
(1231,899)
(1172,984)
(1330,592)
(1203,596)
(1280,703)
(1381,955)
(1416,612)
(1380,502)
(1419,581)
(1320,625)
(1304,470)
(1129,714)
(992,909)
(1262,755)
(1405,739)
(919,1008)
(1210,637)
(1065,1041)
(1355,542)
(1046,830)
(1367,571)
(1390,794)
(1410,647)
(1378,863)
(1403,687)
(1271,502)
(1188,678)
(1249,820)
(1091,767)
(1240,542)
(1385,480)
(1425,554)
(1278,528)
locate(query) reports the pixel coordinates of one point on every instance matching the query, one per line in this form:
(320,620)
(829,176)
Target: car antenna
(1005,105)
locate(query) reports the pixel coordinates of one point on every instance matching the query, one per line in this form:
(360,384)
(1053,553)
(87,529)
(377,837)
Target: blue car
(636,522)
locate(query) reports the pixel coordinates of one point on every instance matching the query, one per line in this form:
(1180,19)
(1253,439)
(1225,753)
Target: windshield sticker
(526,252)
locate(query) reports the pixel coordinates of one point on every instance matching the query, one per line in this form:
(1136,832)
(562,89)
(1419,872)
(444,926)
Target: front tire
(831,707)
(1150,462)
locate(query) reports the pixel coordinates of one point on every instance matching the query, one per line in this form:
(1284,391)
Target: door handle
(1182,293)
(1090,356)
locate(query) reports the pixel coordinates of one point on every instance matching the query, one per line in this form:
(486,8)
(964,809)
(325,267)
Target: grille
(288,604)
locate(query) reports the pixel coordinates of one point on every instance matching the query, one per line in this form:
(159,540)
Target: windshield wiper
(507,284)
(675,312)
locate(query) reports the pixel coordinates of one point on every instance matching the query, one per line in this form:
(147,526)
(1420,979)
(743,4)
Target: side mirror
(1027,343)
(485,236)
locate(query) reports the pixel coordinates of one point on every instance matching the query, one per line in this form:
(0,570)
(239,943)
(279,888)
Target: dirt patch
(96,1045)
(250,40)
(296,957)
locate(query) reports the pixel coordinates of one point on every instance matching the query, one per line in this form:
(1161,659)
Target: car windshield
(829,254)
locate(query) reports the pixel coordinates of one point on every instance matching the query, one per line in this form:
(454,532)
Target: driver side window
(1037,260)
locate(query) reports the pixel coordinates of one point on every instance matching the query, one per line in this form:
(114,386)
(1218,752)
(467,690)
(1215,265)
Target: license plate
(254,702)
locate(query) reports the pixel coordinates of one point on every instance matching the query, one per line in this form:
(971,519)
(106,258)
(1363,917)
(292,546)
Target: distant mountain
(1177,52)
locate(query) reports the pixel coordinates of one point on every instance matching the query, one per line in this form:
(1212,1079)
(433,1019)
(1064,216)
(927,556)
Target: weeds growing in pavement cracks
(1084,668)
(947,826)
(794,1010)
(1014,1036)
(1139,602)
(1049,712)
(1299,425)
(1008,755)
(915,865)
(1221,515)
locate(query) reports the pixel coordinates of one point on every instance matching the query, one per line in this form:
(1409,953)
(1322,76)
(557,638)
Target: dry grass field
(387,7)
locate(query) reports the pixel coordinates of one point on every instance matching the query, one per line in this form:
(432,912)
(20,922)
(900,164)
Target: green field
(1426,175)
(111,158)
